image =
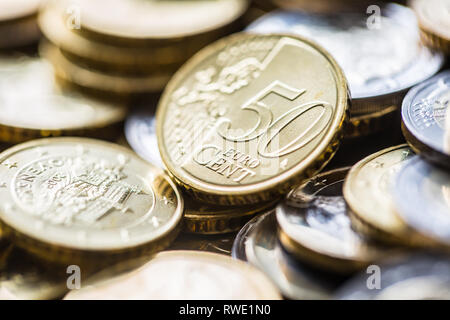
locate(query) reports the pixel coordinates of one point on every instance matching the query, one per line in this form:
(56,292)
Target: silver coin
(257,243)
(140,132)
(315,226)
(426,117)
(415,277)
(422,198)
(379,56)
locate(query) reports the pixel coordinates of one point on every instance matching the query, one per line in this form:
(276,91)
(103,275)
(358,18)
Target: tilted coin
(434,21)
(424,113)
(208,219)
(17,9)
(380,60)
(314,225)
(185,275)
(138,20)
(103,83)
(257,243)
(140,131)
(75,199)
(249,115)
(45,110)
(422,199)
(368,193)
(408,277)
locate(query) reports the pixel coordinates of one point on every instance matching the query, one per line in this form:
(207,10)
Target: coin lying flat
(314,225)
(45,110)
(70,199)
(434,20)
(324,6)
(17,9)
(220,243)
(19,33)
(257,244)
(149,20)
(424,113)
(140,132)
(379,61)
(367,191)
(185,275)
(415,277)
(238,123)
(422,198)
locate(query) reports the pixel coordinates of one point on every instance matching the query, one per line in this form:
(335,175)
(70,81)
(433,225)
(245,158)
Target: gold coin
(434,22)
(72,199)
(250,115)
(185,275)
(207,219)
(367,191)
(95,81)
(45,110)
(219,243)
(314,225)
(139,21)
(17,9)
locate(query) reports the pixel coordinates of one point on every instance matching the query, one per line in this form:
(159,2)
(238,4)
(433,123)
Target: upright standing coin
(315,226)
(45,110)
(414,277)
(140,132)
(422,198)
(257,243)
(434,20)
(424,113)
(71,199)
(368,193)
(249,115)
(381,59)
(185,275)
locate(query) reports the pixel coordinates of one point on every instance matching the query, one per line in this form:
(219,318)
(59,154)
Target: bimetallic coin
(424,113)
(434,21)
(380,61)
(185,275)
(140,131)
(208,219)
(422,199)
(257,243)
(71,199)
(314,225)
(140,20)
(45,110)
(249,115)
(414,277)
(368,193)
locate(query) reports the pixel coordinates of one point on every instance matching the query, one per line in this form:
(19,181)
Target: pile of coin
(135,46)
(236,156)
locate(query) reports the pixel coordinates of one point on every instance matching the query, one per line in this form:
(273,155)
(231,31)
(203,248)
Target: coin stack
(235,157)
(133,48)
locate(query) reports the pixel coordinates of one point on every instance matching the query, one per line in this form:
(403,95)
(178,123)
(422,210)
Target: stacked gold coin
(18,25)
(128,48)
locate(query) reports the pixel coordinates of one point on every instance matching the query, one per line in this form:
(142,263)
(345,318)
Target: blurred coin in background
(422,199)
(73,199)
(185,275)
(434,21)
(413,277)
(424,113)
(33,106)
(238,125)
(257,243)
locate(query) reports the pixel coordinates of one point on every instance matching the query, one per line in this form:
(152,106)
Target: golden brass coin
(314,225)
(367,191)
(219,243)
(101,82)
(72,199)
(208,219)
(185,275)
(434,22)
(45,110)
(139,21)
(250,115)
(17,9)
